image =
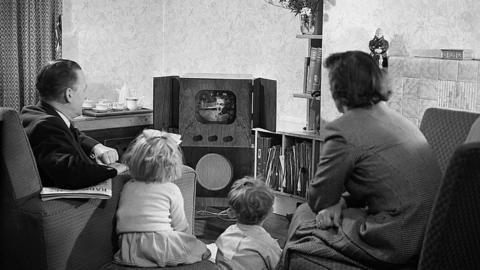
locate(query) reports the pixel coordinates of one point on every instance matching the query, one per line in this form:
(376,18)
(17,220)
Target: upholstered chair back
(62,233)
(445,130)
(452,239)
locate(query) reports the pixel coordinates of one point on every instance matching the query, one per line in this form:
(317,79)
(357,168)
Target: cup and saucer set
(104,107)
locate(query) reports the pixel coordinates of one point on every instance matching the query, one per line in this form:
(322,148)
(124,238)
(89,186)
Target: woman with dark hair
(373,190)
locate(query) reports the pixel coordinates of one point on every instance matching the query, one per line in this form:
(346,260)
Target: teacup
(132,103)
(101,107)
(118,106)
(106,102)
(88,104)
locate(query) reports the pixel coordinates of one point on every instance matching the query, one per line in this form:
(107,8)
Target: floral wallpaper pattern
(128,42)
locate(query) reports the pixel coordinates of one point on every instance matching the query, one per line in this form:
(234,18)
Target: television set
(215,115)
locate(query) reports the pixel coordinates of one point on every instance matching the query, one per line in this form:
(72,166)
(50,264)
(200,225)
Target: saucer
(119,108)
(100,110)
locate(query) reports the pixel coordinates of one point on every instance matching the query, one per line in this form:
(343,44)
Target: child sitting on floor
(151,219)
(247,245)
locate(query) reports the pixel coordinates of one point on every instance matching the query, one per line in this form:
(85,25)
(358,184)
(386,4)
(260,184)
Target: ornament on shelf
(307,9)
(307,21)
(378,48)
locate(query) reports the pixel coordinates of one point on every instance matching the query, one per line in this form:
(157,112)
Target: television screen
(215,106)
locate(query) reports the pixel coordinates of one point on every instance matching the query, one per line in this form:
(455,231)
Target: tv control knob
(227,138)
(197,138)
(213,138)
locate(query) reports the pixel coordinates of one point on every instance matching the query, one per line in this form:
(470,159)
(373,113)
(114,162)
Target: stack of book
(273,168)
(312,71)
(298,168)
(265,155)
(288,172)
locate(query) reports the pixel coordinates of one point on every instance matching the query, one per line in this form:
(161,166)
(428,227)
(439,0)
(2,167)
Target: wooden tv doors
(215,117)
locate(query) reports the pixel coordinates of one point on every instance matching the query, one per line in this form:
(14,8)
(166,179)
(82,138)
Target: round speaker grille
(214,171)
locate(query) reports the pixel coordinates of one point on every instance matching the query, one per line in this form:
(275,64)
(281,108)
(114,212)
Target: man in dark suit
(66,157)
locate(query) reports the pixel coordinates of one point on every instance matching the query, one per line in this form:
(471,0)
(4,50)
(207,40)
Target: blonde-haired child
(151,219)
(246,244)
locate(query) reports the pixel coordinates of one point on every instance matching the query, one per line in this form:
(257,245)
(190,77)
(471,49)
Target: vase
(307,24)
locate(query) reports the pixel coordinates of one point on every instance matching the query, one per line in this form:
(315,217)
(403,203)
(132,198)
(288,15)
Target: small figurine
(378,48)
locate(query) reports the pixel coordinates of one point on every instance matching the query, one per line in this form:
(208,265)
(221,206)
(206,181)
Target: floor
(209,225)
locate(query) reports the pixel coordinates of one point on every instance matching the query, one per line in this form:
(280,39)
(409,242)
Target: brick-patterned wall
(421,83)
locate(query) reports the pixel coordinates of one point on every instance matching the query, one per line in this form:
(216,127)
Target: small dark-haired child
(246,244)
(150,217)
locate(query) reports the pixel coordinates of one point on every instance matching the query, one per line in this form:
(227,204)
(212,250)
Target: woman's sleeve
(177,212)
(335,165)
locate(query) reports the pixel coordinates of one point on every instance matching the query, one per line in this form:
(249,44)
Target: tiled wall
(410,26)
(421,83)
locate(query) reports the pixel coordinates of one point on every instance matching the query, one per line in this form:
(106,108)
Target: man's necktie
(74,132)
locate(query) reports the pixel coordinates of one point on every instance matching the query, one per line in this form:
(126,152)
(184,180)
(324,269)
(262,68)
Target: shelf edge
(305,95)
(276,192)
(309,36)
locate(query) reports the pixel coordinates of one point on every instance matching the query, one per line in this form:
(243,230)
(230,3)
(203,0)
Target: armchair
(452,236)
(445,130)
(57,234)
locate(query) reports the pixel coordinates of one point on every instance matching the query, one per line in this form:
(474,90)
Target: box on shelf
(456,54)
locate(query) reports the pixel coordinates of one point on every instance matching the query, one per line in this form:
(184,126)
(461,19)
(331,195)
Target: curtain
(30,36)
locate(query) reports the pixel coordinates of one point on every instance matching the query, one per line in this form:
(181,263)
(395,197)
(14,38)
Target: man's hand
(104,154)
(121,168)
(330,217)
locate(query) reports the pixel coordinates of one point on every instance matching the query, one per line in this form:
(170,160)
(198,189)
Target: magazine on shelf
(100,191)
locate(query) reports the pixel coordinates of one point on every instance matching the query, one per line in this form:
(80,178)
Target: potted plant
(307,10)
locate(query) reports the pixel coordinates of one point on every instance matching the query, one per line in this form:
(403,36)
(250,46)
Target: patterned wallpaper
(116,42)
(128,42)
(413,27)
(239,36)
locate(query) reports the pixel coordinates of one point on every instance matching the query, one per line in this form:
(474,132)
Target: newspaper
(99,191)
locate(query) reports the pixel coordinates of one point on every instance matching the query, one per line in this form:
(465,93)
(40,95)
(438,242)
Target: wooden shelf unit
(313,118)
(286,203)
(310,36)
(305,95)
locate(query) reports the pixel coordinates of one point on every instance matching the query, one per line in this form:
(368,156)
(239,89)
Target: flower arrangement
(303,7)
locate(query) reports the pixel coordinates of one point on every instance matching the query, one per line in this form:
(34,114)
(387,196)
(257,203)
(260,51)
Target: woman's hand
(330,216)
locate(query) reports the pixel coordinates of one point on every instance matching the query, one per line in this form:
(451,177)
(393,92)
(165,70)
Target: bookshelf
(312,80)
(287,161)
